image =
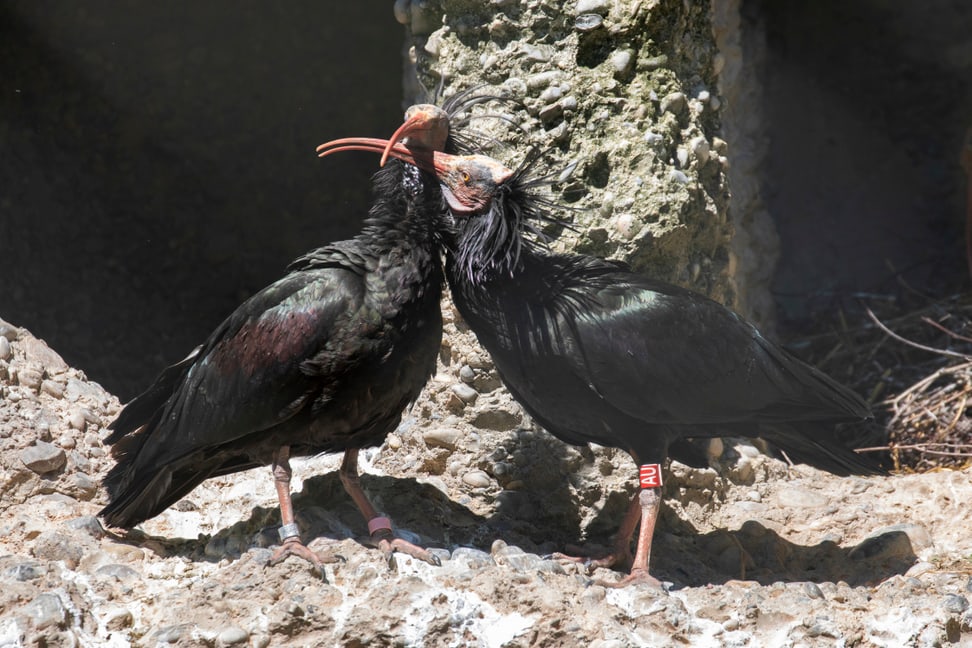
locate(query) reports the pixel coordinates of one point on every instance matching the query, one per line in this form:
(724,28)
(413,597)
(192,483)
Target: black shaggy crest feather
(491,243)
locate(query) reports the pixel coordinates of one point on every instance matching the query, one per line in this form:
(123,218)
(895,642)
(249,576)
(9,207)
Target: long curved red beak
(432,161)
(426,126)
(455,173)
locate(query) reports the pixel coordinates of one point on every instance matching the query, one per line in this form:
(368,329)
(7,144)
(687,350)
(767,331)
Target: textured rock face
(627,90)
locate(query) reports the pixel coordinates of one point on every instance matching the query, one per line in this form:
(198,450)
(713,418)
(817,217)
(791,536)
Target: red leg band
(650,475)
(379,524)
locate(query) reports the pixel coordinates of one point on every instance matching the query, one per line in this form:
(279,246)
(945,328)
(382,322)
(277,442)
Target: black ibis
(323,360)
(596,353)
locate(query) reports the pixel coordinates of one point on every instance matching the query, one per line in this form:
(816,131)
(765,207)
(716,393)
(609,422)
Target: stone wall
(628,90)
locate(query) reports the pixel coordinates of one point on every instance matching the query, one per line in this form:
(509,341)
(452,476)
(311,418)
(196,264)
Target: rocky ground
(754,553)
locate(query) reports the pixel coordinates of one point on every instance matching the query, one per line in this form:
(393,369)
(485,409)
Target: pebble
(441,553)
(89,524)
(653,62)
(681,154)
(593,6)
(476,479)
(473,558)
(518,560)
(46,610)
(25,571)
(8,331)
(588,22)
(231,636)
(173,633)
(568,103)
(51,388)
(260,640)
(260,555)
(515,86)
(919,569)
(124,552)
(551,112)
(813,590)
(621,62)
(43,457)
(700,148)
(594,594)
(883,546)
(52,545)
(626,225)
(551,94)
(467,374)
(82,487)
(38,352)
(465,393)
(535,54)
(43,431)
(743,472)
(394,441)
(76,420)
(918,536)
(447,438)
(121,573)
(678,176)
(81,389)
(91,418)
(674,103)
(4,348)
(542,80)
(117,618)
(434,45)
(955,603)
(454,467)
(30,377)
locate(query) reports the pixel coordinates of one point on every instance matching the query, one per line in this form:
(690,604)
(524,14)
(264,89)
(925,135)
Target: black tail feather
(820,446)
(146,406)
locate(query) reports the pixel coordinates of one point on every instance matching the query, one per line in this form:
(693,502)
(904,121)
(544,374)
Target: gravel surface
(755,554)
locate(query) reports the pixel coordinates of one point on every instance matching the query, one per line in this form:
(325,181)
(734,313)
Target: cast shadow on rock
(688,558)
(421,513)
(756,553)
(426,516)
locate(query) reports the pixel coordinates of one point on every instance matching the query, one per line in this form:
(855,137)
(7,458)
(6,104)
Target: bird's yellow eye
(465,177)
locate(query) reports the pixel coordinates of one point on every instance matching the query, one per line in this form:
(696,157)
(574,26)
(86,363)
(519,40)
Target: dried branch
(925,448)
(890,333)
(950,333)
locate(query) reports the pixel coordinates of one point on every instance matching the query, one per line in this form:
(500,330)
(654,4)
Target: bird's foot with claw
(636,577)
(383,538)
(389,546)
(613,559)
(294,547)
